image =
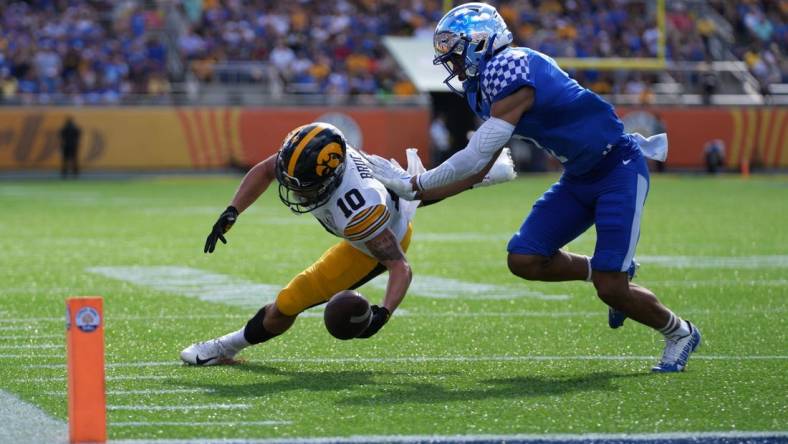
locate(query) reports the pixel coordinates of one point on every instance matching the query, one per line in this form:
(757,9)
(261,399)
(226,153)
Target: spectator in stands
(99,51)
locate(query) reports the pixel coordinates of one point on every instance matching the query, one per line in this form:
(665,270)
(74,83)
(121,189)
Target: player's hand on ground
(223,225)
(380,315)
(392,175)
(501,171)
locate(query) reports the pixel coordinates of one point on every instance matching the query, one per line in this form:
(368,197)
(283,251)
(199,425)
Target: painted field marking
(203,285)
(717,282)
(215,287)
(140,392)
(199,424)
(108,378)
(435,287)
(30,346)
(28,327)
(35,356)
(16,337)
(419,236)
(432,314)
(460,359)
(25,423)
(180,408)
(738,262)
(728,437)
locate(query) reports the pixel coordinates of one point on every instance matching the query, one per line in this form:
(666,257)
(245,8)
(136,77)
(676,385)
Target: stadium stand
(104,52)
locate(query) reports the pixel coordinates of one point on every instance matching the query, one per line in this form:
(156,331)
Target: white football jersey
(361,207)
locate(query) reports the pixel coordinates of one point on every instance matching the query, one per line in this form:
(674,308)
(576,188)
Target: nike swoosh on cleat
(626,161)
(203,361)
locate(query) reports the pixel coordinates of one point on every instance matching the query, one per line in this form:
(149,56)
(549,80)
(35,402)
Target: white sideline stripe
(140,392)
(401,312)
(419,236)
(183,408)
(108,378)
(739,262)
(718,282)
(580,438)
(443,359)
(63,336)
(198,424)
(30,346)
(35,356)
(215,287)
(23,422)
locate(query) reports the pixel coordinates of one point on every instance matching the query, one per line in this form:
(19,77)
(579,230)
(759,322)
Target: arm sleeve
(486,141)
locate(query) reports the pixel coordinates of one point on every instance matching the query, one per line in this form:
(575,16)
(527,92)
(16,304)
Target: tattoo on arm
(385,247)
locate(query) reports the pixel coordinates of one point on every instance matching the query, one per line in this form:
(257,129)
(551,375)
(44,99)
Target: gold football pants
(341,267)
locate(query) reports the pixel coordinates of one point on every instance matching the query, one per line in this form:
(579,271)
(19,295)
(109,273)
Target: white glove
(415,167)
(501,171)
(391,175)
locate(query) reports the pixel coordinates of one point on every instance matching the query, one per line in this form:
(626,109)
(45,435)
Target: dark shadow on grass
(275,380)
(400,387)
(500,388)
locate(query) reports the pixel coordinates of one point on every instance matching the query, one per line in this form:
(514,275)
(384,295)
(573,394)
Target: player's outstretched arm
(488,139)
(253,185)
(436,194)
(386,249)
(483,148)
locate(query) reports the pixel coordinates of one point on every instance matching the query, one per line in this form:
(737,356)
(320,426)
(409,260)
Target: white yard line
(23,422)
(198,424)
(419,359)
(596,438)
(33,337)
(183,408)
(32,356)
(738,262)
(140,392)
(108,378)
(31,346)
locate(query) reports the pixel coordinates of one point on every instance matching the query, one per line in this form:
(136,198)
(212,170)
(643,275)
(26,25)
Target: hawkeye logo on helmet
(329,159)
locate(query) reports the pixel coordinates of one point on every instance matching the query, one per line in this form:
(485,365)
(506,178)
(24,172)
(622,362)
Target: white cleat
(212,352)
(678,351)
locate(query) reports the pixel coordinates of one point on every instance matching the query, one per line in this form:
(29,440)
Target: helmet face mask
(466,37)
(310,166)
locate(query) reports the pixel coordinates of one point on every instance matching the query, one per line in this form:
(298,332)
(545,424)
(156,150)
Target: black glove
(380,315)
(223,225)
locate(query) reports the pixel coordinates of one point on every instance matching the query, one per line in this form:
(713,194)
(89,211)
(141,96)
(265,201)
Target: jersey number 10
(352,201)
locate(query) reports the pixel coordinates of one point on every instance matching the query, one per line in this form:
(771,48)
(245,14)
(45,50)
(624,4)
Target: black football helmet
(309,166)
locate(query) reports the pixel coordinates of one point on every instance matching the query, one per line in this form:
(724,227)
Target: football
(347,314)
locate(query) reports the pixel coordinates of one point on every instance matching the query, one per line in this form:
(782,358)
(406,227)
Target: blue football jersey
(568,121)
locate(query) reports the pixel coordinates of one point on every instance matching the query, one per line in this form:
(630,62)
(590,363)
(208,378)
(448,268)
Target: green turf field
(474,350)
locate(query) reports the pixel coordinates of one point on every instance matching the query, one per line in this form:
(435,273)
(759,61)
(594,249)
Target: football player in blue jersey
(522,93)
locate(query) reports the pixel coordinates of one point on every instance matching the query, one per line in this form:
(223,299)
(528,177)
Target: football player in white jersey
(319,173)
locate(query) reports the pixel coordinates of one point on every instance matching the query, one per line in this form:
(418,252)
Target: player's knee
(612,288)
(275,321)
(526,266)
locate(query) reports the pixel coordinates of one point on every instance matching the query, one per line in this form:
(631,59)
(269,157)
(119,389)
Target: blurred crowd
(98,51)
(761,29)
(92,52)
